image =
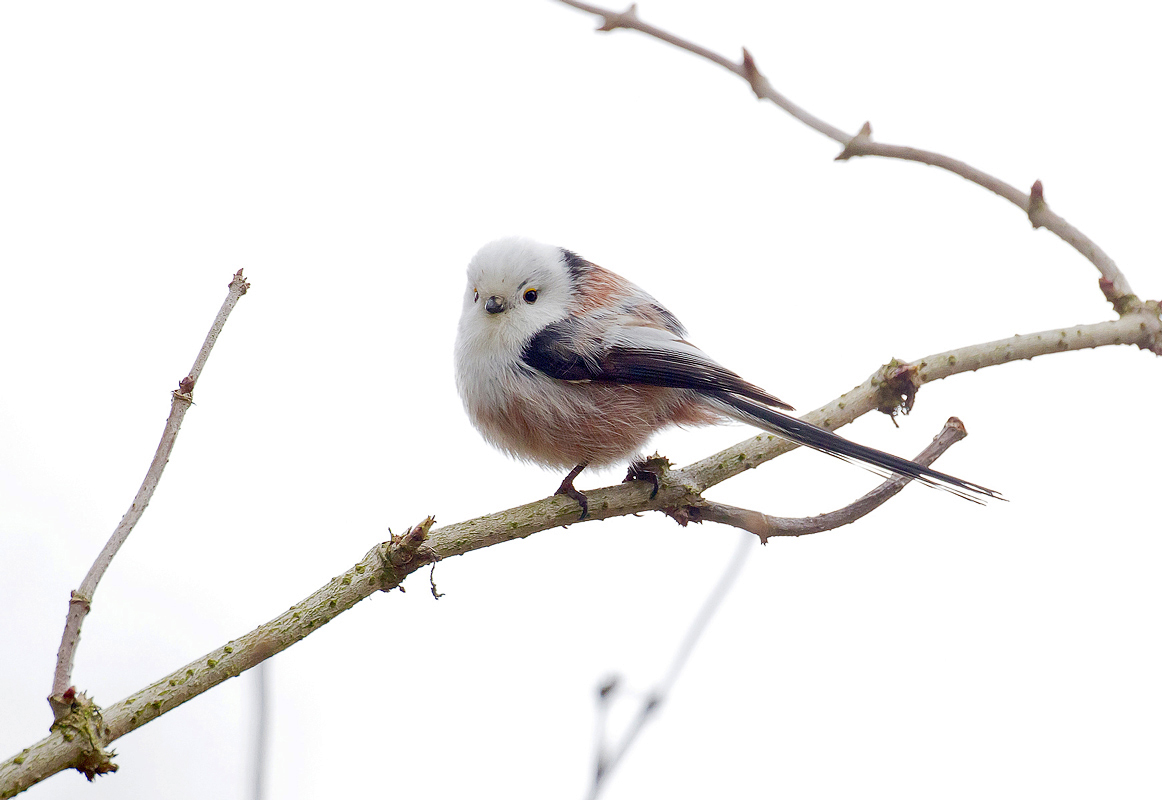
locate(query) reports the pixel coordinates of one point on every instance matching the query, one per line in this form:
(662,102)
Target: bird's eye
(475,295)
(531,296)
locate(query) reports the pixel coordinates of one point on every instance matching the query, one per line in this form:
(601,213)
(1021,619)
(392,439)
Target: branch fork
(614,20)
(82,722)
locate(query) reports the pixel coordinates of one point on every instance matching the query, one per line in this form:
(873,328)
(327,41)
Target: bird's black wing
(637,355)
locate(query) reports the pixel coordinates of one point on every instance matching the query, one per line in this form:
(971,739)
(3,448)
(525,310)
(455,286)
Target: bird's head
(516,287)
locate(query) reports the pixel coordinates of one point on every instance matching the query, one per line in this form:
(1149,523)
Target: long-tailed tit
(568,365)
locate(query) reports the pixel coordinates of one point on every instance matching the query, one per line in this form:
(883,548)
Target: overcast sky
(352,157)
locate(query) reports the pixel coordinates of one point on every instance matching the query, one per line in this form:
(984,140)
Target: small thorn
(1037,204)
(854,147)
(626,19)
(750,72)
(1107,290)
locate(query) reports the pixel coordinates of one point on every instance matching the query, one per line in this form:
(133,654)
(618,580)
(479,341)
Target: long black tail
(805,433)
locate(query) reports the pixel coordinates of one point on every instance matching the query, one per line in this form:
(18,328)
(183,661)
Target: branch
(73,746)
(1113,283)
(83,730)
(765,526)
(385,566)
(607,761)
(895,385)
(61,699)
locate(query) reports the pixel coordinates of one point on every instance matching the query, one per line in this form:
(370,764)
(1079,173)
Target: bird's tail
(805,433)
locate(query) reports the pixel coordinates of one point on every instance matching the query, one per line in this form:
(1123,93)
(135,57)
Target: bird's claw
(644,470)
(569,490)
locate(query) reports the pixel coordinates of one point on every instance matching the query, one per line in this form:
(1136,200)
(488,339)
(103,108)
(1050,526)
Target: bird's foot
(569,490)
(649,470)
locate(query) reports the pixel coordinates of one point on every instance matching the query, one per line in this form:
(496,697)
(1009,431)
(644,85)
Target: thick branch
(1114,284)
(765,526)
(385,567)
(81,599)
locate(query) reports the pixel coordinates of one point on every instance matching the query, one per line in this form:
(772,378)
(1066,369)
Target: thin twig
(1114,284)
(765,526)
(606,764)
(261,728)
(81,599)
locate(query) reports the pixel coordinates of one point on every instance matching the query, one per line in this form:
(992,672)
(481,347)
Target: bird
(568,365)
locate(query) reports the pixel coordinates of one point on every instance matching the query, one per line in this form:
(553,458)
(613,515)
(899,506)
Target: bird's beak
(494,305)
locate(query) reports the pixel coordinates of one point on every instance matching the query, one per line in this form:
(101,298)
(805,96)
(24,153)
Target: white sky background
(352,157)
